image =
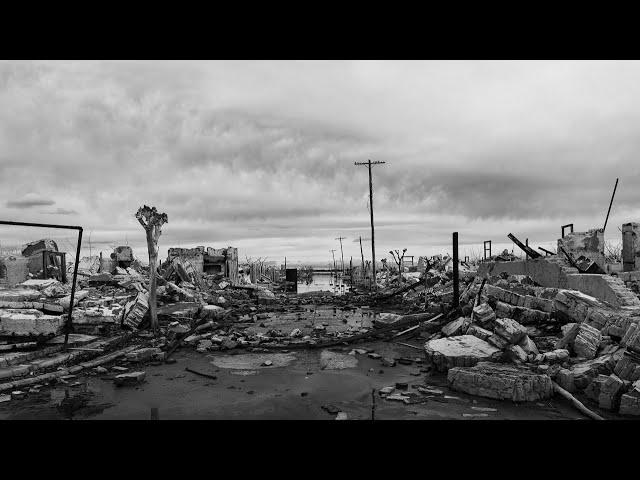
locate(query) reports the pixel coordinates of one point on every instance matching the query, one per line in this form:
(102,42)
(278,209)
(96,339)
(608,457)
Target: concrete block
(610,392)
(502,382)
(587,342)
(464,350)
(479,332)
(456,327)
(129,378)
(29,323)
(630,404)
(510,330)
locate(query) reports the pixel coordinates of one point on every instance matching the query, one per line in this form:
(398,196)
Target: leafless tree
(398,258)
(152,222)
(613,252)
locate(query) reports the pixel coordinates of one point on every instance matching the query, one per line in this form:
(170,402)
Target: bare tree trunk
(152,222)
(153,307)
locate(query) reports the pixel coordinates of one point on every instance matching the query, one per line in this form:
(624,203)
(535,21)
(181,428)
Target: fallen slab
(461,351)
(502,382)
(27,322)
(129,378)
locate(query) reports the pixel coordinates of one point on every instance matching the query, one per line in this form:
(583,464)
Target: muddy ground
(295,387)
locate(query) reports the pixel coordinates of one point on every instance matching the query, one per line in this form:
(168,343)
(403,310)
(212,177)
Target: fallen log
(575,402)
(65,371)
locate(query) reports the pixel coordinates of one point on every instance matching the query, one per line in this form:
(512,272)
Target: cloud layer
(261,155)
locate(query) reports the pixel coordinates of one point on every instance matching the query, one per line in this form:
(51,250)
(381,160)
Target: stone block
(135,310)
(129,378)
(483,314)
(479,332)
(565,379)
(461,351)
(498,342)
(556,356)
(592,392)
(142,354)
(630,404)
(30,323)
(587,341)
(585,372)
(457,327)
(516,353)
(510,330)
(528,345)
(628,367)
(502,382)
(610,392)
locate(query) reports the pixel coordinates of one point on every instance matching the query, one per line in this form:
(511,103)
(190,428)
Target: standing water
(323,282)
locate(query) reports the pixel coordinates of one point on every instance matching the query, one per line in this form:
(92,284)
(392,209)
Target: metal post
(610,203)
(44,265)
(69,326)
(456,275)
(526,255)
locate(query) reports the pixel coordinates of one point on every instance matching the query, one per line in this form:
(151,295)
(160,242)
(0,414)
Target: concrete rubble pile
(521,337)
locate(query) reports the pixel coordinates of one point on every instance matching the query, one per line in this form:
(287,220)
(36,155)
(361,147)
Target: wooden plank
(528,250)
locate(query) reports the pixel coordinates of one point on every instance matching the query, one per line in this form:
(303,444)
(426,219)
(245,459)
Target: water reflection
(326,282)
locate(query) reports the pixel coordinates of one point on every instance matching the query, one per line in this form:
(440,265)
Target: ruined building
(209,261)
(40,259)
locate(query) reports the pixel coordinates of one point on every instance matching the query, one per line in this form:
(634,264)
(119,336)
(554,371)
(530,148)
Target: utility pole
(334,261)
(368,163)
(341,254)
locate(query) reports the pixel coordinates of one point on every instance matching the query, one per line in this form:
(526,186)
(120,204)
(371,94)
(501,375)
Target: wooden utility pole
(341,254)
(368,163)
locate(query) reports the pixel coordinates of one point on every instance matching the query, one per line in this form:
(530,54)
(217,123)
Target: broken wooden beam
(526,249)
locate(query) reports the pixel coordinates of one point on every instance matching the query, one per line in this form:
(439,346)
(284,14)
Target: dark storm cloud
(248,151)
(29,201)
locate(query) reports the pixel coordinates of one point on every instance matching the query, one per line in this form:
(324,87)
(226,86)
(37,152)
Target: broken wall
(195,256)
(630,247)
(590,244)
(13,270)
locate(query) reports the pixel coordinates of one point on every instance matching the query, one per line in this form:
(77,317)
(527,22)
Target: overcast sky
(260,154)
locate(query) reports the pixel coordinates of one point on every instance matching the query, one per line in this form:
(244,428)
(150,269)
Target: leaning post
(456,275)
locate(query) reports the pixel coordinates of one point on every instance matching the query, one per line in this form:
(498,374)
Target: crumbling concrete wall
(15,268)
(604,287)
(550,272)
(631,247)
(33,251)
(590,244)
(544,272)
(230,263)
(195,256)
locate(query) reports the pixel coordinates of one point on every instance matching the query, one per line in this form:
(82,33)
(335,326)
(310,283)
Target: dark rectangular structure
(292,276)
